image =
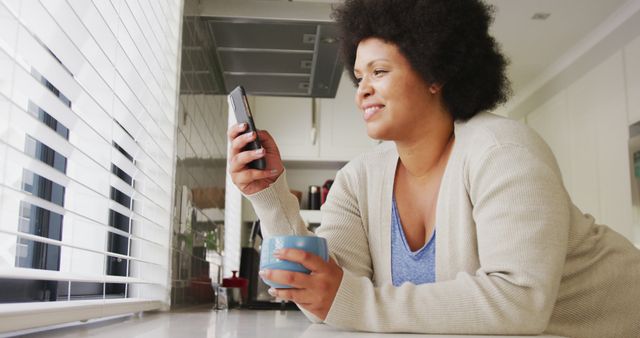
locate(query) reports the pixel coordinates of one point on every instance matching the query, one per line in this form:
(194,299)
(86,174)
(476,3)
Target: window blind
(88,93)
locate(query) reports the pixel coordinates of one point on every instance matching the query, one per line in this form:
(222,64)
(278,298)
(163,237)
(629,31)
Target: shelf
(212,215)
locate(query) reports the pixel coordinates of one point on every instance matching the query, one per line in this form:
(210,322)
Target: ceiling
(534,45)
(531,45)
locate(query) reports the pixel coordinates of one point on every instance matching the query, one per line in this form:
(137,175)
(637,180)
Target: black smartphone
(238,102)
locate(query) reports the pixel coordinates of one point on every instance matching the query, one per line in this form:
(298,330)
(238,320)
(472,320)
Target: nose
(364,89)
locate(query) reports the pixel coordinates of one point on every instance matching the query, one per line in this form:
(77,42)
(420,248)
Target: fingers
(314,292)
(298,280)
(244,177)
(310,261)
(300,297)
(240,160)
(240,141)
(235,130)
(238,138)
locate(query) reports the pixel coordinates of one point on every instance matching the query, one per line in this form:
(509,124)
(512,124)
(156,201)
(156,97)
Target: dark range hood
(268,57)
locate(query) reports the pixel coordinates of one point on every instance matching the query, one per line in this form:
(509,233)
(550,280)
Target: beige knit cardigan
(513,254)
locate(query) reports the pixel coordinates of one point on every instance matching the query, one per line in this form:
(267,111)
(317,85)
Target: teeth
(370,110)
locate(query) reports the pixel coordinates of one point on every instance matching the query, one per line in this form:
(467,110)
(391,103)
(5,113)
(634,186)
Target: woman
(461,224)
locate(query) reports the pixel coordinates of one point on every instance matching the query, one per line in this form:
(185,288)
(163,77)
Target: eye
(358,80)
(379,72)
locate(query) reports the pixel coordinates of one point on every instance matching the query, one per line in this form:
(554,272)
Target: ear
(435,88)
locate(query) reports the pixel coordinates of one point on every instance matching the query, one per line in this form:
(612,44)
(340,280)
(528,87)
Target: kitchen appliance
(269,57)
(314,197)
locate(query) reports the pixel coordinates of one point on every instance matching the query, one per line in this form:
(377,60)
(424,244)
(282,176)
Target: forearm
(466,305)
(278,210)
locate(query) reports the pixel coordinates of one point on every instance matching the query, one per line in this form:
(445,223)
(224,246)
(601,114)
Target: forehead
(372,49)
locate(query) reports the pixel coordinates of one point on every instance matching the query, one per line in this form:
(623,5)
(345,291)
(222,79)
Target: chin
(376,132)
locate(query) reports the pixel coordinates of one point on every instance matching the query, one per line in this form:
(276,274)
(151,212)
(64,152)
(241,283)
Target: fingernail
(274,172)
(277,252)
(241,126)
(259,151)
(262,273)
(272,291)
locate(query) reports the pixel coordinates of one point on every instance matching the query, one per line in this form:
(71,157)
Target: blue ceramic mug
(311,244)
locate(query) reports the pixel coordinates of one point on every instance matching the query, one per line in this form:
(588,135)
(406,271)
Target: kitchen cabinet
(586,126)
(343,134)
(291,123)
(632,72)
(331,131)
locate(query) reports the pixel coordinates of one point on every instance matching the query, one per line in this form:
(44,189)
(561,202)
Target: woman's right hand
(251,181)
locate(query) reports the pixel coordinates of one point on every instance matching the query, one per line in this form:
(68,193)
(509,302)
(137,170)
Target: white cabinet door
(343,134)
(289,121)
(552,122)
(632,65)
(586,127)
(599,151)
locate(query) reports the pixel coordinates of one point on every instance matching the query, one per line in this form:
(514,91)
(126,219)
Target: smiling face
(397,104)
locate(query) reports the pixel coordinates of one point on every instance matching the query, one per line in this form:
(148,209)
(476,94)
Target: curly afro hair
(446,41)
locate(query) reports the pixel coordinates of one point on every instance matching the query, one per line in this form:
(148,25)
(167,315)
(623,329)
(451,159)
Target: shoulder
(486,131)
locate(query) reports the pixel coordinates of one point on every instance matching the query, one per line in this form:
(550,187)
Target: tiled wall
(200,166)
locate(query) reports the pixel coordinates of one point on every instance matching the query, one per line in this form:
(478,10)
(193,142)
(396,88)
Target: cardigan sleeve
(342,225)
(521,212)
(278,210)
(341,222)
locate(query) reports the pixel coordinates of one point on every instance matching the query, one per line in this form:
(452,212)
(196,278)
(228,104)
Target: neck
(423,157)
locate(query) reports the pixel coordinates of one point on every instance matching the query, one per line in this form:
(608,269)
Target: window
(122,151)
(42,187)
(40,222)
(119,221)
(45,154)
(121,198)
(37,255)
(64,242)
(121,174)
(48,120)
(51,87)
(19,291)
(123,128)
(44,223)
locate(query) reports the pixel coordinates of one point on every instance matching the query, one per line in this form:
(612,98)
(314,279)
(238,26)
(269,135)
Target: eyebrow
(370,63)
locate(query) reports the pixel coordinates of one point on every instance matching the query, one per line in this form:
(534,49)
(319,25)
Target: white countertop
(249,324)
(205,322)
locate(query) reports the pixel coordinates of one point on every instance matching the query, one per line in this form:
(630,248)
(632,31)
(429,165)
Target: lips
(371,110)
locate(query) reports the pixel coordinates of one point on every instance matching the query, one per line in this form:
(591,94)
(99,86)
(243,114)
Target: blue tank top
(416,267)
